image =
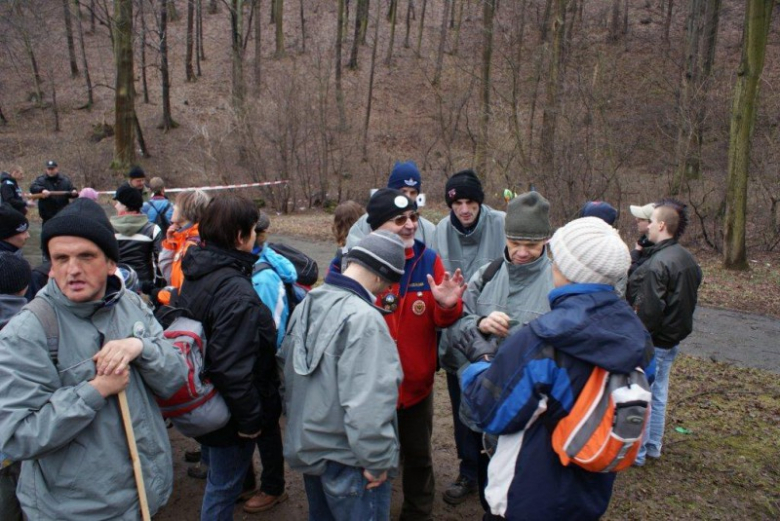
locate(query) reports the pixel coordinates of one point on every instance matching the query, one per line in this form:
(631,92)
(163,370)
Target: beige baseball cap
(642,212)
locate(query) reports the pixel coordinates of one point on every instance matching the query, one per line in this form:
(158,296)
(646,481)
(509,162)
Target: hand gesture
(172,229)
(449,292)
(374,482)
(472,344)
(496,323)
(116,355)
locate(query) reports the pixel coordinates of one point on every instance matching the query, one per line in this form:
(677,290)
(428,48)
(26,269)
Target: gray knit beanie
(382,253)
(528,218)
(588,250)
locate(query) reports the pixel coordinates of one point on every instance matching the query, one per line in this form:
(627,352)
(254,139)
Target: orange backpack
(603,431)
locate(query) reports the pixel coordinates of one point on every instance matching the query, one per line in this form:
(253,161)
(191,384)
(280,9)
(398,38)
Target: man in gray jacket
(467,239)
(341,377)
(62,359)
(508,293)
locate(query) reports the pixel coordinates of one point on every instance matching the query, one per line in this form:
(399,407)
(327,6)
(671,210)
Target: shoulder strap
(44,312)
(260,266)
(491,270)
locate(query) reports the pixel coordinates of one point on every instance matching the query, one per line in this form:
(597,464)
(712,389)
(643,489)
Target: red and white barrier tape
(215,187)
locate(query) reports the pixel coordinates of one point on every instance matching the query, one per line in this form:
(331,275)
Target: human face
(524,252)
(247,243)
(409,192)
(641,225)
(80,268)
(656,228)
(137,183)
(177,218)
(19,239)
(403,225)
(51,172)
(466,211)
(18,174)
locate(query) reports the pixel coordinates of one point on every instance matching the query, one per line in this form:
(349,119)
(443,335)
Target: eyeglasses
(401,219)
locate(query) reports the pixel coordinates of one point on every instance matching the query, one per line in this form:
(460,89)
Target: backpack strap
(491,270)
(45,314)
(261,266)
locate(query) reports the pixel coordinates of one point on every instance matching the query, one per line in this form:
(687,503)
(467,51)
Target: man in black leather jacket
(663,291)
(52,181)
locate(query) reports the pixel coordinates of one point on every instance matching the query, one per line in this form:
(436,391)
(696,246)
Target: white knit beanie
(588,250)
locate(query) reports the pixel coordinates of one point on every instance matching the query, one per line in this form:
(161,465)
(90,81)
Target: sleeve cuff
(91,396)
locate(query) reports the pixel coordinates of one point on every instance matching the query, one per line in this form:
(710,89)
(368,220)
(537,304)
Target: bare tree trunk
(55,108)
(361,18)
(422,27)
(92,16)
(258,48)
(279,16)
(668,21)
(552,103)
(140,137)
(37,81)
(213,7)
(84,65)
(364,21)
(442,42)
(480,160)
(198,36)
(237,54)
(124,138)
(371,80)
(516,81)
(74,67)
(2,117)
(393,15)
(614,23)
(189,39)
(144,83)
(167,122)
(545,20)
(758,20)
(173,14)
(458,24)
(339,87)
(303,28)
(409,8)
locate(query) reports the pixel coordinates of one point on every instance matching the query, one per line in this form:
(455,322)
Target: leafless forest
(601,99)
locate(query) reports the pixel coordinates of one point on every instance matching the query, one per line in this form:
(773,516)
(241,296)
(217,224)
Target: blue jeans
(654,430)
(340,495)
(227,469)
(468,450)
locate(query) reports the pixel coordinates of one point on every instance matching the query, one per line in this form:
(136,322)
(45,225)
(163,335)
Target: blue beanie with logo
(405,174)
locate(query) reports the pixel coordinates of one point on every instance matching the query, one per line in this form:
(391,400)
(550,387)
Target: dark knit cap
(130,197)
(15,273)
(86,219)
(385,204)
(11,222)
(262,223)
(604,211)
(464,185)
(405,174)
(51,164)
(528,218)
(382,253)
(136,173)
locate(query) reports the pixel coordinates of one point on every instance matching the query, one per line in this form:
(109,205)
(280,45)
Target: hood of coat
(203,260)
(591,323)
(129,224)
(10,305)
(280,264)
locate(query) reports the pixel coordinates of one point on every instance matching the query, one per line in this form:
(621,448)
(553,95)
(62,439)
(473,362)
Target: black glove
(472,344)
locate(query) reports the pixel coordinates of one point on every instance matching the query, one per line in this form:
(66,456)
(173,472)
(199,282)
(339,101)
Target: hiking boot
(198,471)
(192,456)
(261,502)
(459,491)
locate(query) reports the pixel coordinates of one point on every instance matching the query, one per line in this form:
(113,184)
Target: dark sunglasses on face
(401,219)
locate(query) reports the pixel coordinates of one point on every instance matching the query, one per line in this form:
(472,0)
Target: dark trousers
(468,450)
(269,444)
(415,428)
(482,469)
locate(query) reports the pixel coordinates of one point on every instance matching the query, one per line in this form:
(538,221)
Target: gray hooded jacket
(76,463)
(341,377)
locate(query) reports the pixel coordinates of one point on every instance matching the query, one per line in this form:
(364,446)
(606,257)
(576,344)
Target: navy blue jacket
(533,382)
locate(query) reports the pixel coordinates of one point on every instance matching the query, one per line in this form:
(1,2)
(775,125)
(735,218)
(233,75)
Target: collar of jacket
(644,242)
(342,281)
(652,250)
(576,289)
(519,273)
(115,288)
(246,260)
(7,246)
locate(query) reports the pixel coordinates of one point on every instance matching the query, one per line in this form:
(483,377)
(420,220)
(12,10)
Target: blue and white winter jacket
(154,206)
(533,382)
(269,285)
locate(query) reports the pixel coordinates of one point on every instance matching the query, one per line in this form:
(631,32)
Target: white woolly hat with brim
(642,212)
(588,250)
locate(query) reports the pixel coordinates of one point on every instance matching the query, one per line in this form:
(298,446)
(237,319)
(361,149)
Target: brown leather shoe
(262,502)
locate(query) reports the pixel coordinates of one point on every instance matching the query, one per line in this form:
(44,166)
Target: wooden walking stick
(139,477)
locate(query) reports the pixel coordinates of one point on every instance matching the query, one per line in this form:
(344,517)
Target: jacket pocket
(61,469)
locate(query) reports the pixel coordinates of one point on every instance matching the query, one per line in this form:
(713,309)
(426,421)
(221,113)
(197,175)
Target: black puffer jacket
(10,193)
(48,207)
(241,338)
(663,291)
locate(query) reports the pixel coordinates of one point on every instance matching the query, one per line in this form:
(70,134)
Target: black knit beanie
(136,173)
(15,273)
(385,204)
(464,185)
(11,222)
(86,219)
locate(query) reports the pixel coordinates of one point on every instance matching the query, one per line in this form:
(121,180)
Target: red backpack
(603,431)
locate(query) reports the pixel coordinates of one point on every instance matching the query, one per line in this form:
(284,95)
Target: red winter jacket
(415,319)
